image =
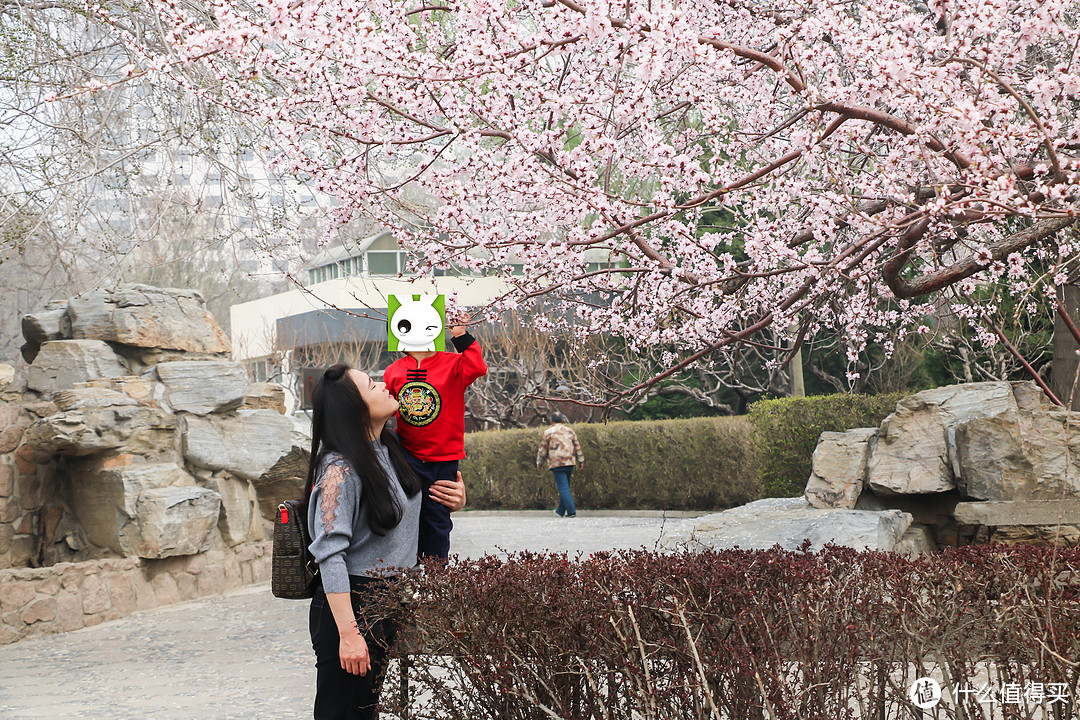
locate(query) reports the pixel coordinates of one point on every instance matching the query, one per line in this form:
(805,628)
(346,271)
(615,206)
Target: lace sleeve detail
(332,513)
(332,478)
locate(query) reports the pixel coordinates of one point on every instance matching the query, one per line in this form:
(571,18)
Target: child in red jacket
(430,388)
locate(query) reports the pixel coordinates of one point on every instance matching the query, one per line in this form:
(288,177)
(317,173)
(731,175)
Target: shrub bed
(743,634)
(786,431)
(695,464)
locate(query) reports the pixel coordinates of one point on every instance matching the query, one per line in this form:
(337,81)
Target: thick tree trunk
(798,387)
(1063,373)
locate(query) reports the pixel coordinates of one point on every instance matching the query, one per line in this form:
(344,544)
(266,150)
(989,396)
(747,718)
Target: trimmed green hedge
(786,431)
(694,464)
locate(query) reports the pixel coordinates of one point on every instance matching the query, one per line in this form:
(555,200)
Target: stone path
(246,655)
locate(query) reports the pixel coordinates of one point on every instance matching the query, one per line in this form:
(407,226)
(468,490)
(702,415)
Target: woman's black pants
(340,695)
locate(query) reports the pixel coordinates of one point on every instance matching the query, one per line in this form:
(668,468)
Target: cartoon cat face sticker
(416,322)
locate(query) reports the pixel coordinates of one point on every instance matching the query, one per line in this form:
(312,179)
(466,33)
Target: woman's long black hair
(339,422)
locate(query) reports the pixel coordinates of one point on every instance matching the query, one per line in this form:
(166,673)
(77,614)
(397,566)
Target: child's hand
(459,327)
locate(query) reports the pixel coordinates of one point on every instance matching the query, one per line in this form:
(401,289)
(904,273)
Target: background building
(338,313)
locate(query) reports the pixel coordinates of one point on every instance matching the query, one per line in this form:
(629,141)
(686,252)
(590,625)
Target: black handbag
(293,571)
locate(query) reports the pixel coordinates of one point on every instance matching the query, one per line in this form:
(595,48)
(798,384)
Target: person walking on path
(560,447)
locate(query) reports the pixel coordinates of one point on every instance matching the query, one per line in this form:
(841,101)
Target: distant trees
(107,176)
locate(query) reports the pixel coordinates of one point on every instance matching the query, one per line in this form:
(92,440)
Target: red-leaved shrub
(744,634)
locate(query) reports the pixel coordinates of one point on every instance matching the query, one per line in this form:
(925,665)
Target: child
(430,388)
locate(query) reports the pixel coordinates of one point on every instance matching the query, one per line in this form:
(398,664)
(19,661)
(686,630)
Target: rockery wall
(138,467)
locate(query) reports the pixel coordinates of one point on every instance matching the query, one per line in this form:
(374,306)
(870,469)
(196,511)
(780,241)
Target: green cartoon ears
(416,322)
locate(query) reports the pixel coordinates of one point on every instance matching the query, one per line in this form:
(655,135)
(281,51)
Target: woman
(363,511)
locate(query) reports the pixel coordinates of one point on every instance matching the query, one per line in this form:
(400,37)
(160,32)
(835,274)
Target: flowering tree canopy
(684,173)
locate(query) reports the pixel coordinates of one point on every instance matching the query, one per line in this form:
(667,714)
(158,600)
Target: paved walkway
(246,655)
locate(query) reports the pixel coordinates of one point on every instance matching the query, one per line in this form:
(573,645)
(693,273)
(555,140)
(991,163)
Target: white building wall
(254,323)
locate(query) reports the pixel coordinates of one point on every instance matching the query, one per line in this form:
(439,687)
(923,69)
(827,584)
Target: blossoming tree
(815,166)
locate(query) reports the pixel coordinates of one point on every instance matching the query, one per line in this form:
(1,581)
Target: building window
(344,268)
(262,370)
(385,263)
(352,266)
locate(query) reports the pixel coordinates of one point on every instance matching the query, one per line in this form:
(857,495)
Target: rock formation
(992,460)
(154,441)
(912,451)
(839,468)
(981,461)
(788,522)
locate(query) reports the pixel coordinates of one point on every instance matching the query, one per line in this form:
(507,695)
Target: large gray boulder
(839,468)
(104,495)
(91,396)
(148,317)
(104,422)
(912,454)
(172,521)
(60,364)
(916,540)
(239,520)
(202,387)
(1019,456)
(50,323)
(286,480)
(247,444)
(788,522)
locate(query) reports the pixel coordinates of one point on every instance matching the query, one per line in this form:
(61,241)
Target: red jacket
(431,395)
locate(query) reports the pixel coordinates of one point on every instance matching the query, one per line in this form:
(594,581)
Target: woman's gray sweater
(342,542)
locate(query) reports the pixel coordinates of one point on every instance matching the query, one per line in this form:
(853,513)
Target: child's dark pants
(435,523)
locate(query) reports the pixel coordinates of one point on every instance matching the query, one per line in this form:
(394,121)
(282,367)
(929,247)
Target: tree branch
(932,282)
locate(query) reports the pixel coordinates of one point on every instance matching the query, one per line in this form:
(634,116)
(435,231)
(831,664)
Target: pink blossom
(830,139)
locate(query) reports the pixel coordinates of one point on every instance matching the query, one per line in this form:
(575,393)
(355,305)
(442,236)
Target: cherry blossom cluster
(679,173)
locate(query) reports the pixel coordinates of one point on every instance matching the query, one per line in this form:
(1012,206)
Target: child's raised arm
(471,363)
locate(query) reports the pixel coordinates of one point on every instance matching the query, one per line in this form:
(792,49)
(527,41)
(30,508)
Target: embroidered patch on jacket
(419,403)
